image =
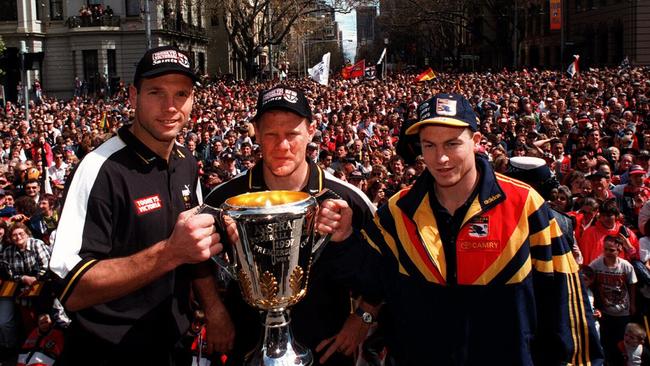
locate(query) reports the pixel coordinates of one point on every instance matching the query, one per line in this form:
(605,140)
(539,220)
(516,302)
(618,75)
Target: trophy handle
(322,241)
(225,264)
(319,245)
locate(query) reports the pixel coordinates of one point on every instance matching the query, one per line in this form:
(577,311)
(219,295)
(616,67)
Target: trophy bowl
(272,259)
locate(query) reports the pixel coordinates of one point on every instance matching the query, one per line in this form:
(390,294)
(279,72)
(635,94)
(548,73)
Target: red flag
(427,74)
(354,71)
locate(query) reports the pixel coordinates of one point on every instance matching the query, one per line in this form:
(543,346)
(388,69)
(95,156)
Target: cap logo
(445,107)
(290,96)
(272,95)
(170,56)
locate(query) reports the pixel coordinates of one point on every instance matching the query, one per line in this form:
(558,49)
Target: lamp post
(147,23)
(23,68)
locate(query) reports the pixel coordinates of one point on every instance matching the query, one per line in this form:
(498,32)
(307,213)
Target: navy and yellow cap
(452,110)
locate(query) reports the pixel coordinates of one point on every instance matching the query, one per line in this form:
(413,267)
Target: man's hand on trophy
(231,229)
(194,238)
(335,217)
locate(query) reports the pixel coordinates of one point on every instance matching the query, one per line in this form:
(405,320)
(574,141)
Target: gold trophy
(272,258)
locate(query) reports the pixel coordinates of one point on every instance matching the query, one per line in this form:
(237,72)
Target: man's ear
(133,95)
(311,128)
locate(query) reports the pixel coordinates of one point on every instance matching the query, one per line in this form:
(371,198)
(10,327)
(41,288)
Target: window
(56,9)
(188,5)
(132,8)
(201,63)
(9,10)
(91,69)
(111,60)
(39,9)
(199,14)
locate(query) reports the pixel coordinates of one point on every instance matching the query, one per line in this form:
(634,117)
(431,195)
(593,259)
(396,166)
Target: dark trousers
(82,349)
(612,329)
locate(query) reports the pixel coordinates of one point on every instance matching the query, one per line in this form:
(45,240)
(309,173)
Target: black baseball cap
(283,97)
(451,110)
(163,60)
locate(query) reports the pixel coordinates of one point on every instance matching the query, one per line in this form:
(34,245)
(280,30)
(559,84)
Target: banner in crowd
(354,71)
(321,72)
(370,73)
(556,14)
(427,74)
(573,67)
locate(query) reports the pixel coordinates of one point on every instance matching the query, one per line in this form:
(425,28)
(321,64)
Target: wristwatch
(365,316)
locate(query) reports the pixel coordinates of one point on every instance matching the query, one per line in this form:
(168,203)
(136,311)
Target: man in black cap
(130,243)
(472,267)
(322,320)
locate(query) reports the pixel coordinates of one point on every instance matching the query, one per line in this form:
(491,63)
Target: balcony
(91,21)
(181,27)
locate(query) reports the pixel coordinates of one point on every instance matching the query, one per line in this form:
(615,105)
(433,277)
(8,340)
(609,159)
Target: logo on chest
(476,239)
(479,227)
(147,204)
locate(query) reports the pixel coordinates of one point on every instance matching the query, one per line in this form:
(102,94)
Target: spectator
(592,240)
(27,260)
(615,284)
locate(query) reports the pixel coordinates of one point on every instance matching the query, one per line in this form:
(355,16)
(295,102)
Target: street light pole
(515,60)
(562,25)
(304,59)
(23,67)
(270,48)
(147,23)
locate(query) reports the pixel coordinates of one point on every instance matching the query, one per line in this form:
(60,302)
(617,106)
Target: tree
(446,29)
(253,25)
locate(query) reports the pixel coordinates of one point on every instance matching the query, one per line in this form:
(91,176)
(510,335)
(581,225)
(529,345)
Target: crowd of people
(592,131)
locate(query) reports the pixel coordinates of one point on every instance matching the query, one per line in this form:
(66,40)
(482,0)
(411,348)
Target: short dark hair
(609,207)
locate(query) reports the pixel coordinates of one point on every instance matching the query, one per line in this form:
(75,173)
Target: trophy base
(278,347)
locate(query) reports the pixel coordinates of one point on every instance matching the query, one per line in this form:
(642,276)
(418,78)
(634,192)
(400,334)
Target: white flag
(321,72)
(381,58)
(573,67)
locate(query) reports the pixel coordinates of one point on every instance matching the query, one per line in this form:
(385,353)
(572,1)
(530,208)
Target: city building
(366,18)
(97,41)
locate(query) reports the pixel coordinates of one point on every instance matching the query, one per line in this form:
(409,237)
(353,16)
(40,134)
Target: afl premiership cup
(271,260)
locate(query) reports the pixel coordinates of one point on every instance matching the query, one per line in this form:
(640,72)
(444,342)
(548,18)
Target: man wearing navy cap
(471,266)
(322,320)
(130,243)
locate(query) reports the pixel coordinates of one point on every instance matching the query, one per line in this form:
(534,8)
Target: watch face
(367,318)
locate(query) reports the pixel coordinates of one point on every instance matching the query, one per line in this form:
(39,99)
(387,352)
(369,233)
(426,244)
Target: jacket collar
(145,155)
(489,192)
(255,178)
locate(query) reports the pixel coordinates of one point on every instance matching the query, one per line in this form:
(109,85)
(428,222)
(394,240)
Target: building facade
(98,42)
(602,32)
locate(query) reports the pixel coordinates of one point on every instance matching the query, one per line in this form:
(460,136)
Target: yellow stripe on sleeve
(405,240)
(74,277)
(573,313)
(426,224)
(522,273)
(565,263)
